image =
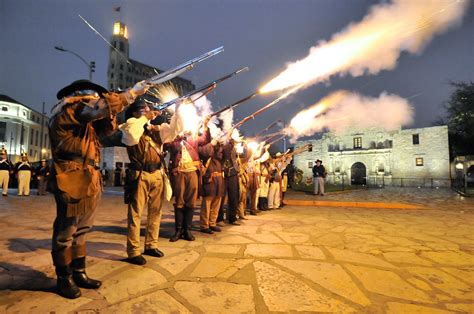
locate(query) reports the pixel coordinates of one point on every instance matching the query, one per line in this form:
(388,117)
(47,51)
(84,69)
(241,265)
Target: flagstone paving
(299,259)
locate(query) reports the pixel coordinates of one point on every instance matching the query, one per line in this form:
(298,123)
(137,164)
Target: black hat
(319,160)
(135,106)
(78,86)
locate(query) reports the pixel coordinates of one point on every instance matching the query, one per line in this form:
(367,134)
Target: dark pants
(69,233)
(233,195)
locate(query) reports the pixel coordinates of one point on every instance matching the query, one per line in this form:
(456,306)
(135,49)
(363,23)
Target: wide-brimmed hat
(78,86)
(319,160)
(138,104)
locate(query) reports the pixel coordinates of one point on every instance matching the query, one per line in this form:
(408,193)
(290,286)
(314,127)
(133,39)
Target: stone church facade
(410,157)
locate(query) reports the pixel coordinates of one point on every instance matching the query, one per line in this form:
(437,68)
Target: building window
(3,131)
(112,65)
(121,46)
(357,142)
(111,75)
(416,139)
(31,136)
(310,164)
(111,86)
(114,44)
(31,152)
(121,76)
(419,161)
(37,137)
(121,66)
(4,108)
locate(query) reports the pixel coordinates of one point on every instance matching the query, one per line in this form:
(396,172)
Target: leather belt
(147,167)
(78,159)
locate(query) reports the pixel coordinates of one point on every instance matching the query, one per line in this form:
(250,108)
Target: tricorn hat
(78,86)
(319,160)
(3,151)
(24,154)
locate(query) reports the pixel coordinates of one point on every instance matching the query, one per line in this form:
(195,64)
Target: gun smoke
(375,43)
(343,110)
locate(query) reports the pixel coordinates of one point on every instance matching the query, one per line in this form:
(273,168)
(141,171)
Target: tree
(460,119)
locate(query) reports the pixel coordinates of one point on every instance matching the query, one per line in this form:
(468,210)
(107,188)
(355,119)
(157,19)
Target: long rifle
(204,90)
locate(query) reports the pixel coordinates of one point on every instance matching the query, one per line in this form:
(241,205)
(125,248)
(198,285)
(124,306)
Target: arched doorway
(358,174)
(470,176)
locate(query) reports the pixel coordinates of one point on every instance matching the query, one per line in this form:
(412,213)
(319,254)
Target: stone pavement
(301,258)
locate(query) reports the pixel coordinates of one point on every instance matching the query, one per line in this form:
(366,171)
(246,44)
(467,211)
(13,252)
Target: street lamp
(90,66)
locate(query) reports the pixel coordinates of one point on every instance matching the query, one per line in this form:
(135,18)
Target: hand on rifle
(139,89)
(152,114)
(206,120)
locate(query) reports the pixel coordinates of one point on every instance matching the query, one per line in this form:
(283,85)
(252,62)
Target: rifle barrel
(208,87)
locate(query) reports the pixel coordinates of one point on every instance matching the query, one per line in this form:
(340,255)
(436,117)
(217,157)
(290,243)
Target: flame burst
(165,92)
(375,43)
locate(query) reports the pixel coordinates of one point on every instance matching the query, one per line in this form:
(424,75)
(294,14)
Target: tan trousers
(149,193)
(4,178)
(274,195)
(209,211)
(318,182)
(24,178)
(242,201)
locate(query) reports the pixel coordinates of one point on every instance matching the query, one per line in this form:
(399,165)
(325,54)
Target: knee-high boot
(80,277)
(178,224)
(188,222)
(65,285)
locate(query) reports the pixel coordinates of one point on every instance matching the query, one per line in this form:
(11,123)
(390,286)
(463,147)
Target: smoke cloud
(375,43)
(343,110)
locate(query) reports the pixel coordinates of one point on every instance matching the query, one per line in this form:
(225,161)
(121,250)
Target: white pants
(4,178)
(318,181)
(24,177)
(274,195)
(263,188)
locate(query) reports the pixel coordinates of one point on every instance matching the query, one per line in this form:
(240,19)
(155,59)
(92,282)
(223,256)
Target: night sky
(263,35)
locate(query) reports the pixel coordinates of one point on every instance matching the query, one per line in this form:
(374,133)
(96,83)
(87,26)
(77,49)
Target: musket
(266,107)
(273,136)
(295,152)
(277,140)
(184,67)
(271,125)
(232,106)
(204,89)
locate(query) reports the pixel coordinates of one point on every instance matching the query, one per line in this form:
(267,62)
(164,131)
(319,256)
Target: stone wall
(386,156)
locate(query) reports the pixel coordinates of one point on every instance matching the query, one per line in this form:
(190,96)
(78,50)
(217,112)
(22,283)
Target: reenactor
(23,173)
(42,174)
(6,168)
(84,112)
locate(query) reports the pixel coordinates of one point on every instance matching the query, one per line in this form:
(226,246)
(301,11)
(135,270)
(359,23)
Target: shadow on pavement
(26,278)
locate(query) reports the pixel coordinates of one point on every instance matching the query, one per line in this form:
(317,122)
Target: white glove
(139,89)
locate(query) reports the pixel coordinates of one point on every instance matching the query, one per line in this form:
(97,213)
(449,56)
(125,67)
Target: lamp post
(90,66)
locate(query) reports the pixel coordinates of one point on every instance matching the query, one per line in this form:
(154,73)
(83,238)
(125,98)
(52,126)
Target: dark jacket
(319,171)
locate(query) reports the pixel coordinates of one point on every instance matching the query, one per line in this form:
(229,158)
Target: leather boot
(80,277)
(261,204)
(265,203)
(65,285)
(188,222)
(178,223)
